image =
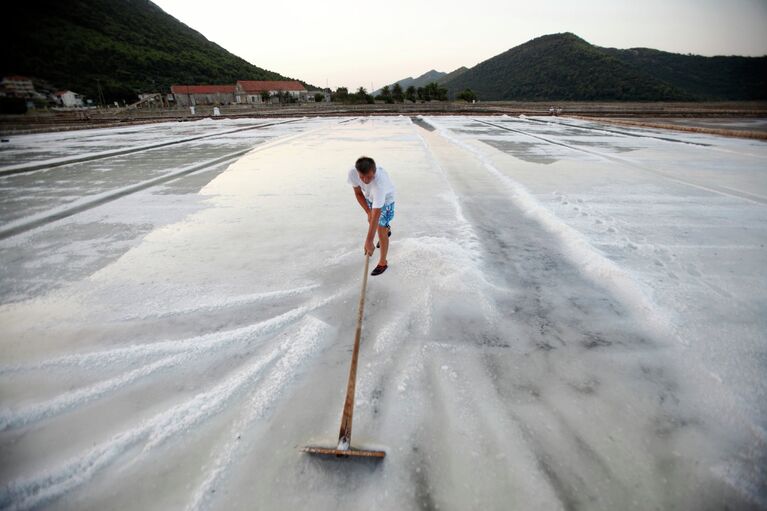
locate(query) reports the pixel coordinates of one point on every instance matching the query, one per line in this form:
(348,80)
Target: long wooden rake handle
(345,435)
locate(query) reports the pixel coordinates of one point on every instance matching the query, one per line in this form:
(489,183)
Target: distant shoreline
(664,115)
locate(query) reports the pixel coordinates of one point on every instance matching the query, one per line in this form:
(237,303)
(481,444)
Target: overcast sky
(371,44)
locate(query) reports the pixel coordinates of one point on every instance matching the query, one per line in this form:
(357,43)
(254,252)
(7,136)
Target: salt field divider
(47,217)
(616,131)
(47,164)
(718,189)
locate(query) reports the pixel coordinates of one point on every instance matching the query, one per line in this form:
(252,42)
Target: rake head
(343,453)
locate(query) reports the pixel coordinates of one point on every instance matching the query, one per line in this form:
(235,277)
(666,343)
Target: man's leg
(383,239)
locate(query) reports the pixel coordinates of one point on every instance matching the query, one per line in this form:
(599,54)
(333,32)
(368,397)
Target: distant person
(375,193)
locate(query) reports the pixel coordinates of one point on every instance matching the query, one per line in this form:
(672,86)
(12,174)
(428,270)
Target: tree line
(395,94)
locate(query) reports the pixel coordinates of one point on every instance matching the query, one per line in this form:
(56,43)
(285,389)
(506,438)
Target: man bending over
(375,193)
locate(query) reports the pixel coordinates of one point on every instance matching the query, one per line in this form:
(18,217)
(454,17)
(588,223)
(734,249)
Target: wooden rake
(344,448)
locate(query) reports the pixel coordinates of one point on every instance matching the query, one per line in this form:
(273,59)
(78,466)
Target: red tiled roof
(262,85)
(202,89)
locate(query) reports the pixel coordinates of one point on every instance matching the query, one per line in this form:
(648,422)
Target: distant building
(192,95)
(18,86)
(249,91)
(68,98)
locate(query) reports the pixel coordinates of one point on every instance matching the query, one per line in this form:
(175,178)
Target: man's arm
(374,216)
(361,199)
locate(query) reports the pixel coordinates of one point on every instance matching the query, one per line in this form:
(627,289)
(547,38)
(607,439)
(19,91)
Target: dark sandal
(378,245)
(379,270)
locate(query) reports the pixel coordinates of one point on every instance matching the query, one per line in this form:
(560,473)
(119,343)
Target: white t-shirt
(380,191)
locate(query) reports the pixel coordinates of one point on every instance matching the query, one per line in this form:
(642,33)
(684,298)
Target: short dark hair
(365,164)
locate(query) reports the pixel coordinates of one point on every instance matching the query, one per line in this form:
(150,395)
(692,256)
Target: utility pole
(102,101)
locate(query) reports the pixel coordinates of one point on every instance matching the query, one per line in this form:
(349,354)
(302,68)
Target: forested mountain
(565,67)
(713,78)
(128,46)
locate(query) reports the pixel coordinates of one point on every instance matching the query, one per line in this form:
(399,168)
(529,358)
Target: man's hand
(369,247)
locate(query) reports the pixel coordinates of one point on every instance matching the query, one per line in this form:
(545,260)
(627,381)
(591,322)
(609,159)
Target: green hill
(129,46)
(565,67)
(706,78)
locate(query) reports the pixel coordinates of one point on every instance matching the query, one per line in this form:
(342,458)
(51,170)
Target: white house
(69,98)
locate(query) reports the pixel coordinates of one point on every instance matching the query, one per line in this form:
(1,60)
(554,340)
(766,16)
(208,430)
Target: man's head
(366,168)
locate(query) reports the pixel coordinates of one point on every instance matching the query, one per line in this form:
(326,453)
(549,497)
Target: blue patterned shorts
(387,213)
